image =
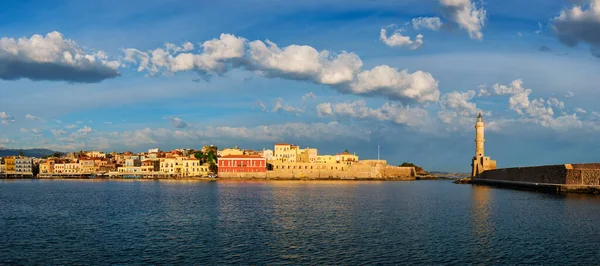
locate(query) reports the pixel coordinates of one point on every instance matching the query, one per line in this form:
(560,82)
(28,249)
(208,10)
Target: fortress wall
(590,177)
(400,172)
(594,166)
(356,171)
(553,174)
(566,174)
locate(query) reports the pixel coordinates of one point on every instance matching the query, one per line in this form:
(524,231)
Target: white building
(24,165)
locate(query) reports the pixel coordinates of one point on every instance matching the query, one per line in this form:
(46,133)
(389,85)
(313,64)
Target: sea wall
(564,174)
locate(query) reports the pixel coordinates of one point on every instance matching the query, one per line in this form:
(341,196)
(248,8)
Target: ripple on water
(428,222)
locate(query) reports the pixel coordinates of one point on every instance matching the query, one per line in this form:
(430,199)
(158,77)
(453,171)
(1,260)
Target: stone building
(480,162)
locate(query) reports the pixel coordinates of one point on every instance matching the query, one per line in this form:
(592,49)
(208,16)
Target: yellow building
(286,152)
(307,155)
(326,159)
(87,165)
(47,167)
(11,164)
(193,168)
(346,158)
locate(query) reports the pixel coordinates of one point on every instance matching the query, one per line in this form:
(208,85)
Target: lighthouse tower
(480,163)
(479,136)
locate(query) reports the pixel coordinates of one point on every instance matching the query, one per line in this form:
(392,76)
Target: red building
(242,163)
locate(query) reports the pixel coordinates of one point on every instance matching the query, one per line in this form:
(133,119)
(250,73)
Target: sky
(409,76)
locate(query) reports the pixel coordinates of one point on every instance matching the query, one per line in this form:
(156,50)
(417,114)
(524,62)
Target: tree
(269,167)
(213,167)
(21,153)
(417,168)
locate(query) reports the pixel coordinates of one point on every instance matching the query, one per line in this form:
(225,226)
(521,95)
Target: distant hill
(38,153)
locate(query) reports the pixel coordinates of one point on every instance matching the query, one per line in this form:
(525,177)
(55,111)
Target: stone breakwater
(583,178)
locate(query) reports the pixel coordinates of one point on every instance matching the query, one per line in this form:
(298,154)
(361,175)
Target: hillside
(38,153)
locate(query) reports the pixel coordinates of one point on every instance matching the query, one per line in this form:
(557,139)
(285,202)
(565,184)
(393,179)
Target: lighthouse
(480,162)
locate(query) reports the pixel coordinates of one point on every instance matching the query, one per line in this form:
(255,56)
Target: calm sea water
(203,223)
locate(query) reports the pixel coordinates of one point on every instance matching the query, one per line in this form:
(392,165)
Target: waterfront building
(10,164)
(193,168)
(167,165)
(87,165)
(480,162)
(326,159)
(2,166)
(107,168)
(23,165)
(150,165)
(72,168)
(308,155)
(242,164)
(47,166)
(286,152)
(346,158)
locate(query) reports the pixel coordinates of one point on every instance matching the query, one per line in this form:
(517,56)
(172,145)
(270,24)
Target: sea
(102,222)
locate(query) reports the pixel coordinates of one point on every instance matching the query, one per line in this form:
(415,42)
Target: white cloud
(214,60)
(178,123)
(53,58)
(262,105)
(457,108)
(6,118)
(108,123)
(540,28)
(580,110)
(466,15)
(271,133)
(58,132)
(432,23)
(402,115)
(341,71)
(569,94)
(460,103)
(538,110)
(71,126)
(324,109)
(281,107)
(556,103)
(399,40)
(31,117)
(302,62)
(384,80)
(309,96)
(483,92)
(580,23)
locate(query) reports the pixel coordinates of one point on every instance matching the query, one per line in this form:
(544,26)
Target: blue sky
(131,75)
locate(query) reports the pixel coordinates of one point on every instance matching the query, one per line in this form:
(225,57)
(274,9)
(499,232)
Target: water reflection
(482,225)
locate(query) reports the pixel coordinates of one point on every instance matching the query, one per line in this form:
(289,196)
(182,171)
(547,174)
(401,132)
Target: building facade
(242,164)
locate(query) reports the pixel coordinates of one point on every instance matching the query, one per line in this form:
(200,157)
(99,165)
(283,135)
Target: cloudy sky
(407,75)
